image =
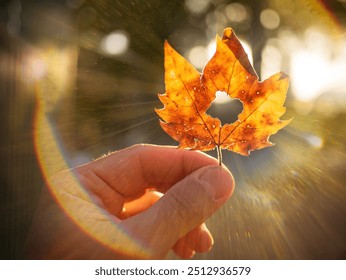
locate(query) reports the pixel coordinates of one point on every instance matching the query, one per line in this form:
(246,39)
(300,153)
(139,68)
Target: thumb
(184,206)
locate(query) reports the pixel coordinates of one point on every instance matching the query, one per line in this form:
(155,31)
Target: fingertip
(206,241)
(199,239)
(182,250)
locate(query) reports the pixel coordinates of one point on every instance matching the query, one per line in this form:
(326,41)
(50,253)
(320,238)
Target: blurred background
(80,78)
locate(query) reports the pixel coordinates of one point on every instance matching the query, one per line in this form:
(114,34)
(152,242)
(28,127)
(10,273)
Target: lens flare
(65,187)
(289,201)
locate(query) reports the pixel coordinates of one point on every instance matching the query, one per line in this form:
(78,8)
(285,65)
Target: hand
(139,202)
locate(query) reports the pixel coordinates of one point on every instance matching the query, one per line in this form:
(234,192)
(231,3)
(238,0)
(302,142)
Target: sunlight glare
(314,70)
(308,77)
(271,60)
(198,56)
(34,68)
(211,48)
(314,140)
(221,97)
(247,49)
(115,43)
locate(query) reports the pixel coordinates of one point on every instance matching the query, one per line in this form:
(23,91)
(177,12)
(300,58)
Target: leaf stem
(219,154)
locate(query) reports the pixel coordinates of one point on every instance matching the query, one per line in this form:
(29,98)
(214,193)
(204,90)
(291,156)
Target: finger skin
(199,239)
(120,178)
(183,250)
(185,205)
(131,171)
(139,205)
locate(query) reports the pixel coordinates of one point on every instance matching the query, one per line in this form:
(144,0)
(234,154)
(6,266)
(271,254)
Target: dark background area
(290,201)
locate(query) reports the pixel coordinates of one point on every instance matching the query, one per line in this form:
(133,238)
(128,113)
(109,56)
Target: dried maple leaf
(189,95)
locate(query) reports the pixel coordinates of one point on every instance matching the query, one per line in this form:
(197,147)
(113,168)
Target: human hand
(139,202)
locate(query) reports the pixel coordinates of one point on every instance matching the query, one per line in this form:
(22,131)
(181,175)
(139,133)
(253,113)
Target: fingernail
(219,183)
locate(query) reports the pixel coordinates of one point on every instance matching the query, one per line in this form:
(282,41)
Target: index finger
(132,170)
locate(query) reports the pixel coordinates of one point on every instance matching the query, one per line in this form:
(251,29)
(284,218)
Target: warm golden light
(115,43)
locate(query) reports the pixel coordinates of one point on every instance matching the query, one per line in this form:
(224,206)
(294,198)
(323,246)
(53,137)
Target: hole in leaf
(225,108)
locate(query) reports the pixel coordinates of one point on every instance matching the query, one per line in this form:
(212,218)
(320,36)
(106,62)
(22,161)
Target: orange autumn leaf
(189,94)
